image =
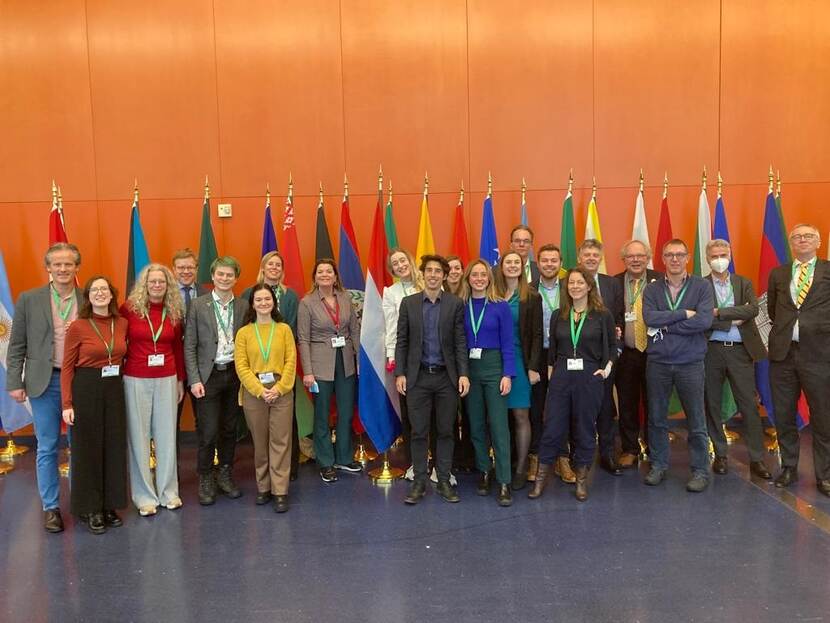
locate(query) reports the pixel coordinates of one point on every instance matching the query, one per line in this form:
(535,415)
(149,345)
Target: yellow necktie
(640,331)
(803,284)
(527,272)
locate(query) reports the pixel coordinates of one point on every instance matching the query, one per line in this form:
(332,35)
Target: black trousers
(99,443)
(432,393)
(179,409)
(538,393)
(733,363)
(631,389)
(464,455)
(788,378)
(605,420)
(217,415)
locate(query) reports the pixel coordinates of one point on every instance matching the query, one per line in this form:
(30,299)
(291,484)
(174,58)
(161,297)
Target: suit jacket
(29,361)
(651,275)
(611,294)
(315,330)
(200,291)
(531,332)
(452,337)
(746,309)
(201,336)
(813,317)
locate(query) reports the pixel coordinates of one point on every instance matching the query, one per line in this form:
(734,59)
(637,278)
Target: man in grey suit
(34,361)
(212,324)
(431,372)
(734,346)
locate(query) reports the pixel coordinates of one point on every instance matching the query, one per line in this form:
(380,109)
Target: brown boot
(581,486)
(532,467)
(540,482)
(564,471)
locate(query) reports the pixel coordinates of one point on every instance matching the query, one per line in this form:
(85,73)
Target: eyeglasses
(636,257)
(805,237)
(675,256)
(157,282)
(97,290)
(522,242)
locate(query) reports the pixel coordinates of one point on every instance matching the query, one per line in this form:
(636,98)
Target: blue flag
(269,237)
(721,229)
(488,248)
(138,256)
(13,415)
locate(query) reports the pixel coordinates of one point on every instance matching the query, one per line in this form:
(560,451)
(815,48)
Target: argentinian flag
(13,415)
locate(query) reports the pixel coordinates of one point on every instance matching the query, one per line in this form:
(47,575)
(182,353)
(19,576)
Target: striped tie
(640,329)
(803,284)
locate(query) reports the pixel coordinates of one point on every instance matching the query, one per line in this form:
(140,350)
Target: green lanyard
(476,325)
(802,283)
(676,304)
(543,291)
(111,346)
(577,331)
(221,322)
(633,296)
(730,296)
(153,333)
(64,311)
(262,350)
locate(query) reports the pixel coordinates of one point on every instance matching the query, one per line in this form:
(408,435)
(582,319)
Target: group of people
(522,358)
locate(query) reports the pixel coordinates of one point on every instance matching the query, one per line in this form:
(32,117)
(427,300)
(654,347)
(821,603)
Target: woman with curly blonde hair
(153,386)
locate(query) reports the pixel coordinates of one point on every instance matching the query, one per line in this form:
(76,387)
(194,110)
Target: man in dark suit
(734,346)
(798,303)
(631,366)
(212,324)
(590,257)
(34,360)
(521,241)
(431,372)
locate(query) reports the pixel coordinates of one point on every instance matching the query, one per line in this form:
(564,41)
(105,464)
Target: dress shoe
(610,465)
(225,482)
(504,498)
(112,520)
(519,481)
(540,482)
(52,520)
(447,491)
(824,487)
(697,483)
(483,487)
(720,465)
(263,498)
(416,492)
(95,523)
(627,460)
(757,468)
(280,503)
(207,489)
(788,476)
(562,468)
(532,466)
(654,477)
(581,492)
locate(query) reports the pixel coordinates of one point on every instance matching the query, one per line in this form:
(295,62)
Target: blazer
(746,309)
(451,335)
(611,293)
(201,336)
(531,331)
(29,360)
(651,275)
(813,317)
(315,330)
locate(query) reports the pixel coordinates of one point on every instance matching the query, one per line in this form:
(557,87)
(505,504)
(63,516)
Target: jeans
(47,416)
(688,380)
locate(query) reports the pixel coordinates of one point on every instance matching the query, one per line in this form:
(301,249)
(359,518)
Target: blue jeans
(46,413)
(688,380)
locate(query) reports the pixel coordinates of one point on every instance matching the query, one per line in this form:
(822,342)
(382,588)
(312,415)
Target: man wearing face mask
(734,346)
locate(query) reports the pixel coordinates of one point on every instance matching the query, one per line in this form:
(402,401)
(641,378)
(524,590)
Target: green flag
(207,246)
(567,236)
(389,226)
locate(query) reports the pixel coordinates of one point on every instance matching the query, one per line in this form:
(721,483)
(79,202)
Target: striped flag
(57,226)
(348,262)
(640,229)
(13,415)
(460,244)
(664,233)
(389,224)
(137,254)
(322,240)
(592,228)
(703,233)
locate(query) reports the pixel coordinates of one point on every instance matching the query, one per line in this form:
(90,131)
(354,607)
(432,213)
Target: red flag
(57,230)
(460,246)
(378,250)
(293,275)
(664,234)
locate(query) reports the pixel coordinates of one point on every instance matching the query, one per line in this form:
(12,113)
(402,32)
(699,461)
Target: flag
(592,228)
(781,220)
(389,226)
(13,415)
(57,227)
(378,400)
(351,275)
(703,235)
(523,218)
(488,248)
(721,231)
(322,243)
(207,245)
(664,234)
(293,276)
(426,244)
(567,235)
(460,245)
(137,256)
(640,229)
(269,237)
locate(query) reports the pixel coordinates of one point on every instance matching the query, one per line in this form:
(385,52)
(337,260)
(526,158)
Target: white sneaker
(147,511)
(434,478)
(173,504)
(410,473)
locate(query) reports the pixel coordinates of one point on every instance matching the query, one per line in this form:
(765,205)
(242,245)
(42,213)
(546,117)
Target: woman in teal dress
(526,310)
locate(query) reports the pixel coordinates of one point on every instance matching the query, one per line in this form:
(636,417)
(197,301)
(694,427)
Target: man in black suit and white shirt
(431,372)
(798,303)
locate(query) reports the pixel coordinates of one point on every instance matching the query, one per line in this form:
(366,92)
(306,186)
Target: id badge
(110,370)
(475,353)
(338,342)
(266,377)
(575,364)
(631,316)
(155,360)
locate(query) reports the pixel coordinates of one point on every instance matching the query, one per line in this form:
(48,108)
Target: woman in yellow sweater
(266,360)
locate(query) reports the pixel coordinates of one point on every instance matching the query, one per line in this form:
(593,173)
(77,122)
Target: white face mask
(719,264)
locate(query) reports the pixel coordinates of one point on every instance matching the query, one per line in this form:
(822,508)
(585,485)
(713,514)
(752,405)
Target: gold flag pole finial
(60,200)
(135,191)
(571,182)
(777,184)
(390,190)
(771,179)
(54,193)
(666,185)
(267,193)
(594,188)
(345,186)
(489,184)
(426,185)
(290,187)
(380,179)
(720,185)
(703,179)
(207,188)
(524,191)
(320,202)
(461,195)
(642,180)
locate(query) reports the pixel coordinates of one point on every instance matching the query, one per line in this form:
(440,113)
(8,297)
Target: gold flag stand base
(361,454)
(771,443)
(6,467)
(643,453)
(386,473)
(12,449)
(731,435)
(215,458)
(63,468)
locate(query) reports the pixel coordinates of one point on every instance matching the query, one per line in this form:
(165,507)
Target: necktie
(527,271)
(803,284)
(186,293)
(640,331)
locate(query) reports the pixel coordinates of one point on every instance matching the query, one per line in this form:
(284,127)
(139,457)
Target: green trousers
(486,407)
(343,389)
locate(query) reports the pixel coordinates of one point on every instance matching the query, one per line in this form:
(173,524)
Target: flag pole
(11,449)
(642,180)
(524,191)
(386,474)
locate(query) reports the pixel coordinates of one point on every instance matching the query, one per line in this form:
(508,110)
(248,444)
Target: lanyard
(633,296)
(577,331)
(802,283)
(111,346)
(277,290)
(730,296)
(476,325)
(334,314)
(676,304)
(223,323)
(262,350)
(543,291)
(153,333)
(63,311)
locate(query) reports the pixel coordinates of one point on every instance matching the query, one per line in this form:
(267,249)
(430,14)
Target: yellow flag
(426,245)
(592,229)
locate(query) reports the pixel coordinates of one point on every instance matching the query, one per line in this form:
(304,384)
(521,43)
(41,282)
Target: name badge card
(155,360)
(266,377)
(575,364)
(110,370)
(631,316)
(475,353)
(338,342)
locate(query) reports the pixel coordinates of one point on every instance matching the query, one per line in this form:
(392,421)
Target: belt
(221,367)
(433,369)
(725,343)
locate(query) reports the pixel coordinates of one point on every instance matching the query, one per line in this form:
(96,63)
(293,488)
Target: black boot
(581,484)
(504,498)
(540,482)
(207,489)
(224,480)
(95,523)
(483,484)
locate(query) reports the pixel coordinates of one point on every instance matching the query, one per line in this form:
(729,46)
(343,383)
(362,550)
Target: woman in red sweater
(93,404)
(153,386)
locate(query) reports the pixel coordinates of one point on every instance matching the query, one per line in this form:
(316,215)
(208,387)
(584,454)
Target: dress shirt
(431,338)
(550,303)
(725,297)
(224,347)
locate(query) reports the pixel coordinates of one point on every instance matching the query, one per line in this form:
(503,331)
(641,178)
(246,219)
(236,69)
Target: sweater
(282,359)
(496,330)
(140,345)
